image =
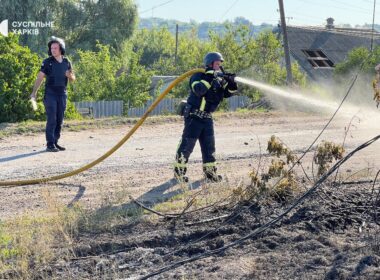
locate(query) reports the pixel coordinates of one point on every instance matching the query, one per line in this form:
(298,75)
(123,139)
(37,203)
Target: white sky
(298,12)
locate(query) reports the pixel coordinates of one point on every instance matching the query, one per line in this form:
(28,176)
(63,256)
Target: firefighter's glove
(214,78)
(217,84)
(230,79)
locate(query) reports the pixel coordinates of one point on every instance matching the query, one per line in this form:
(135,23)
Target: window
(318,59)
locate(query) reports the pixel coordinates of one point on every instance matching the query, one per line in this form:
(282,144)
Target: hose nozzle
(227,76)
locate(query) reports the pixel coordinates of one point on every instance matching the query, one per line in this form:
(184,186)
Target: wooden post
(289,76)
(176,44)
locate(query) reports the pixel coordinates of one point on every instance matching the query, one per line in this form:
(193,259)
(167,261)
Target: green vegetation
(111,66)
(17,64)
(83,23)
(114,61)
(105,77)
(356,57)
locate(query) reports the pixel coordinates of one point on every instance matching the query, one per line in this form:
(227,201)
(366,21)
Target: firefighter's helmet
(211,57)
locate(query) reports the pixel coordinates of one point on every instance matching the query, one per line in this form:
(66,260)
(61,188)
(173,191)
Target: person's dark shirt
(56,80)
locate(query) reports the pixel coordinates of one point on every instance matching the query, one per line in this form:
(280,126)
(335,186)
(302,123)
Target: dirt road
(144,164)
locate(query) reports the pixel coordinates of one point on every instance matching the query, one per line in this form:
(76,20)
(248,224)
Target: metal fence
(101,109)
(237,101)
(167,106)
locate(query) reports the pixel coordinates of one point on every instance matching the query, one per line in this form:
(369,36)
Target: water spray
(286,94)
(368,116)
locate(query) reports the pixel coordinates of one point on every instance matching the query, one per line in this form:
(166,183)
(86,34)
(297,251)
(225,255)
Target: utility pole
(373,23)
(289,76)
(176,44)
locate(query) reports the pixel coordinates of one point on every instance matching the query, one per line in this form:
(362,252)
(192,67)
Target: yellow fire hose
(113,149)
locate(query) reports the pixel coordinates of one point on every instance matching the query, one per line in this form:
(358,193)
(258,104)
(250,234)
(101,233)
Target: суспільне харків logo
(24,27)
(4,27)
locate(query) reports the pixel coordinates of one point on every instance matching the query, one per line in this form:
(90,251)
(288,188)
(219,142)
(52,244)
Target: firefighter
(58,71)
(376,85)
(207,90)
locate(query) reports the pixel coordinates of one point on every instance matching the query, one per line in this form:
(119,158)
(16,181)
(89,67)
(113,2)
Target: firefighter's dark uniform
(206,92)
(55,96)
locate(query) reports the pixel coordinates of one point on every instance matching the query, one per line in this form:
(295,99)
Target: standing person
(58,71)
(207,90)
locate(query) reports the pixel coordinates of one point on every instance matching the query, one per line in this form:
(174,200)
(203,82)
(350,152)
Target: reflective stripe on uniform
(180,165)
(203,104)
(179,144)
(193,84)
(207,84)
(210,72)
(209,164)
(232,91)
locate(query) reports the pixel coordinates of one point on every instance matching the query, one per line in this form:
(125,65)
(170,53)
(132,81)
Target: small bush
(278,182)
(326,153)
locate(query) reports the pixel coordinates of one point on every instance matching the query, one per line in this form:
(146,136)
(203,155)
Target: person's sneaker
(52,149)
(213,177)
(59,147)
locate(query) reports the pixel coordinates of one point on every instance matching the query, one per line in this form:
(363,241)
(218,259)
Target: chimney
(330,23)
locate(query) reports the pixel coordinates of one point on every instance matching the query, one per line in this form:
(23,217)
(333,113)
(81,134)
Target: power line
(154,7)
(363,11)
(226,12)
(308,17)
(350,5)
(369,1)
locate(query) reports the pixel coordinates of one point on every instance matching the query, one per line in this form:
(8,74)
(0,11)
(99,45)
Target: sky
(297,12)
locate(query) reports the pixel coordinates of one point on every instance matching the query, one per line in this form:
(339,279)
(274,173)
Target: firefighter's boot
(179,174)
(211,174)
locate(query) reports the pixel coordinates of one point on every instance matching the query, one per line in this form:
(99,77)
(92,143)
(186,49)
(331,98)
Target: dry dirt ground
(323,238)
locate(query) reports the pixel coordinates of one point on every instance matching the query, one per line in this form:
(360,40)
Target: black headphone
(59,42)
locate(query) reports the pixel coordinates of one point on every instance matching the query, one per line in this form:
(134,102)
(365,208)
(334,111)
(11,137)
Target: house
(318,49)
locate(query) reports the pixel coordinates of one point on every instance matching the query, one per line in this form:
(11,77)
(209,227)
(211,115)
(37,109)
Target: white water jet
(369,117)
(290,95)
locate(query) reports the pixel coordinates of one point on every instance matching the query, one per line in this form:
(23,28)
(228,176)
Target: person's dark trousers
(55,106)
(195,128)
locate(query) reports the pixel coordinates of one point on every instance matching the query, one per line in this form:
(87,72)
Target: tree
(155,47)
(355,58)
(31,11)
(17,68)
(80,22)
(258,57)
(191,51)
(103,77)
(85,22)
